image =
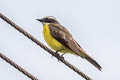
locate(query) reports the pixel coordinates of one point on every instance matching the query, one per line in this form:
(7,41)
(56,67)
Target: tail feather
(80,52)
(92,61)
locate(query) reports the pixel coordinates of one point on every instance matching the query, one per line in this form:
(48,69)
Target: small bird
(60,39)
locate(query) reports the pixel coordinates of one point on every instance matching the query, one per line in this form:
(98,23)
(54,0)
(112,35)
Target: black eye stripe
(46,19)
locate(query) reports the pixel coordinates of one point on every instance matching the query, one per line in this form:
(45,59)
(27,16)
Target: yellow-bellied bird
(59,39)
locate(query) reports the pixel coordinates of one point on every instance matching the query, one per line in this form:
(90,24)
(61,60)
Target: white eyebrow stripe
(50,17)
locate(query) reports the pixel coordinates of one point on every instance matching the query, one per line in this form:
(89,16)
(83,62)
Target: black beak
(39,20)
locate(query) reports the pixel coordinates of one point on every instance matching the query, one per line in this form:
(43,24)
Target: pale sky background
(95,25)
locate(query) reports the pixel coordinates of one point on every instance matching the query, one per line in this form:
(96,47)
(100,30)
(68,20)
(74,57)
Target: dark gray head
(48,19)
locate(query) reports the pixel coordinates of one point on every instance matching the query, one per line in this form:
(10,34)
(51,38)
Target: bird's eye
(47,18)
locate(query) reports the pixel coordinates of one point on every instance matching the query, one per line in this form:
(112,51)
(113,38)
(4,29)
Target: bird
(61,40)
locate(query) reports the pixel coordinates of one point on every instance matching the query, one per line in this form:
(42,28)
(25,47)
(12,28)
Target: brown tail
(92,61)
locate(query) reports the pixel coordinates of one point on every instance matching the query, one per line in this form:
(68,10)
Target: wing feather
(61,34)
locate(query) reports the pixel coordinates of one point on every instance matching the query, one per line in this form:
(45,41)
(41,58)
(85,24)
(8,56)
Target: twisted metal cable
(18,67)
(60,58)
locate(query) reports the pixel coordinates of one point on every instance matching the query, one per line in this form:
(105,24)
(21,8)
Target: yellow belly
(54,44)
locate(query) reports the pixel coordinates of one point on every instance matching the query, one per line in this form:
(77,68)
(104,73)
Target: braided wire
(17,67)
(60,58)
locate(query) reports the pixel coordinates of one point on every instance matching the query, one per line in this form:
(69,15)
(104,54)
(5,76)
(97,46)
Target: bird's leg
(62,55)
(59,50)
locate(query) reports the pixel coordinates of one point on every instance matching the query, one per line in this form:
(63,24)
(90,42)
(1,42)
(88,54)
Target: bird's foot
(61,56)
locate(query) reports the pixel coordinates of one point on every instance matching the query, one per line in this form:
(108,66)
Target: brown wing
(61,34)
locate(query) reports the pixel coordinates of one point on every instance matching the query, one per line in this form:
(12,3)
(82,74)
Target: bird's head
(48,19)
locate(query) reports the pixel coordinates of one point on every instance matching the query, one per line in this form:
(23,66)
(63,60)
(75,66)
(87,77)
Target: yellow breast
(53,43)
